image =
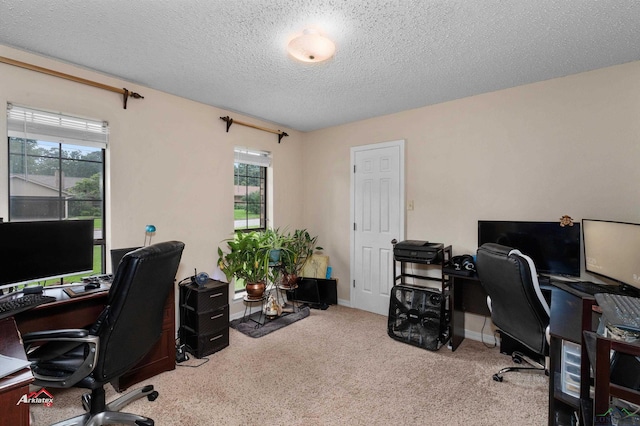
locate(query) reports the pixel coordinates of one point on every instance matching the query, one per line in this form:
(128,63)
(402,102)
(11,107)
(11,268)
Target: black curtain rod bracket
(126,94)
(230,121)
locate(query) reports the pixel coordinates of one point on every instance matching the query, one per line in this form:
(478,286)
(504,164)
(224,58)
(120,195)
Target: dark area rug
(249,326)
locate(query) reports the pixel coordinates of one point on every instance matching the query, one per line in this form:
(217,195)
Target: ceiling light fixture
(311,47)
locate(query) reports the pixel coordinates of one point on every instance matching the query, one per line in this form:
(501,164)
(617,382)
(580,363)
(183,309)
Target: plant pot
(255,290)
(274,256)
(289,280)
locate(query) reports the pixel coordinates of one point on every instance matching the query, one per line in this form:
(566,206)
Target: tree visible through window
(49,180)
(250,189)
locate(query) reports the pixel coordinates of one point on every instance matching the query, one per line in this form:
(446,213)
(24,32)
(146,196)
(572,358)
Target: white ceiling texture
(391,55)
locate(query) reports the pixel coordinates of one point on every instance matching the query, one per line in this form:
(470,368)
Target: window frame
(254,158)
(67,134)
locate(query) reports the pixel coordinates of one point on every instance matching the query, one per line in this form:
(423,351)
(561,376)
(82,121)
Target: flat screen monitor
(554,249)
(117,255)
(612,250)
(307,292)
(41,250)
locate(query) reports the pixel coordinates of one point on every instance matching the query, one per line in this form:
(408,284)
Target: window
(56,170)
(250,189)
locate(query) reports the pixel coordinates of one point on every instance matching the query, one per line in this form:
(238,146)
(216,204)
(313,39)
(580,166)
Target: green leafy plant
(297,248)
(248,255)
(246,258)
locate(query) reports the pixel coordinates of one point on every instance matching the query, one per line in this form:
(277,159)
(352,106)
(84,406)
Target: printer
(416,251)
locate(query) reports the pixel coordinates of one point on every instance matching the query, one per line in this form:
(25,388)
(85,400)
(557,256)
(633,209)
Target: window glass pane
(34,208)
(81,152)
(250,189)
(49,181)
(253,184)
(56,170)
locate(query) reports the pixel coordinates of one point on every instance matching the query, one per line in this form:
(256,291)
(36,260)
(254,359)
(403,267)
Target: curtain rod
(230,121)
(124,92)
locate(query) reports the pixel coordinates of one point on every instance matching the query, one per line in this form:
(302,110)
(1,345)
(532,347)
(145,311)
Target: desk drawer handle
(215,338)
(216,316)
(215,295)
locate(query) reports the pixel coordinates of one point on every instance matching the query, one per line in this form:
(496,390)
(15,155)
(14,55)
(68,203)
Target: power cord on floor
(182,355)
(205,360)
(495,337)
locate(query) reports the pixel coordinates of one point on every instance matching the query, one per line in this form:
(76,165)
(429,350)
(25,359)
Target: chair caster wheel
(153,395)
(516,359)
(497,378)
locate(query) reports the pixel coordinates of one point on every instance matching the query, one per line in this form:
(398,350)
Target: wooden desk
(14,386)
(79,312)
(66,312)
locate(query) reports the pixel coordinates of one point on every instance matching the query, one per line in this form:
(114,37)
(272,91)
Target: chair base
(518,358)
(111,413)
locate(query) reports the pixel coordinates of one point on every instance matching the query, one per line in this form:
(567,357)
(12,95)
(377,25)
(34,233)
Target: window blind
(253,157)
(27,123)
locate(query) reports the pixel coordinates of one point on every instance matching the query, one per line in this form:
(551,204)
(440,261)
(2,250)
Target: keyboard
(11,307)
(620,311)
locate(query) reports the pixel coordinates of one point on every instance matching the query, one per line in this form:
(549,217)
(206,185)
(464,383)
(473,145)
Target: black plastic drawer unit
(204,317)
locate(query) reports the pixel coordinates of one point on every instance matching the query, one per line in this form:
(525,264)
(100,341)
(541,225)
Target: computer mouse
(91,286)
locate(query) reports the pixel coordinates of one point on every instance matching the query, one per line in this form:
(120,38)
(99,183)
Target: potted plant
(247,259)
(297,248)
(275,240)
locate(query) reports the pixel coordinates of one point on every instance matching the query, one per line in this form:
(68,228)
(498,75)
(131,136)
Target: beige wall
(170,159)
(565,146)
(535,152)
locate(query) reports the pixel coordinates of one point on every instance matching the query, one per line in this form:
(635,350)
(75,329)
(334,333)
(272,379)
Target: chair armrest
(72,353)
(71,333)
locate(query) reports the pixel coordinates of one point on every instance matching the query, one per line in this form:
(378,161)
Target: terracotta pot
(255,290)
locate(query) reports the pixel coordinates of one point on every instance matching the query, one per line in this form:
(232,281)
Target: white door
(378,217)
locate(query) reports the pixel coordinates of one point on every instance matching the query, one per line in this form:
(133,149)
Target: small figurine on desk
(566,221)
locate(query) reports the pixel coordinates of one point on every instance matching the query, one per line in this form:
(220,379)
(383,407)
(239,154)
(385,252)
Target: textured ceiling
(391,55)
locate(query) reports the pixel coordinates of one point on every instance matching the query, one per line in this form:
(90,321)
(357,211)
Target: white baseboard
(489,339)
(344,302)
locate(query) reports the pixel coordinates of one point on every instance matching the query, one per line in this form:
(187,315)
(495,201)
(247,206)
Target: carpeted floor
(335,367)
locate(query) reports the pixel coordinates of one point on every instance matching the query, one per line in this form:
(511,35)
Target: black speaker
(417,316)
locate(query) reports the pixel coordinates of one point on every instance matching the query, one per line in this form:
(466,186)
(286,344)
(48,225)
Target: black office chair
(518,307)
(125,331)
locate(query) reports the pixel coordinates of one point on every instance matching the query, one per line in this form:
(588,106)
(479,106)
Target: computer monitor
(612,250)
(117,255)
(308,292)
(42,250)
(555,249)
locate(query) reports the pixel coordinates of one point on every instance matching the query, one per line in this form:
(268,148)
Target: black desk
(570,315)
(467,295)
